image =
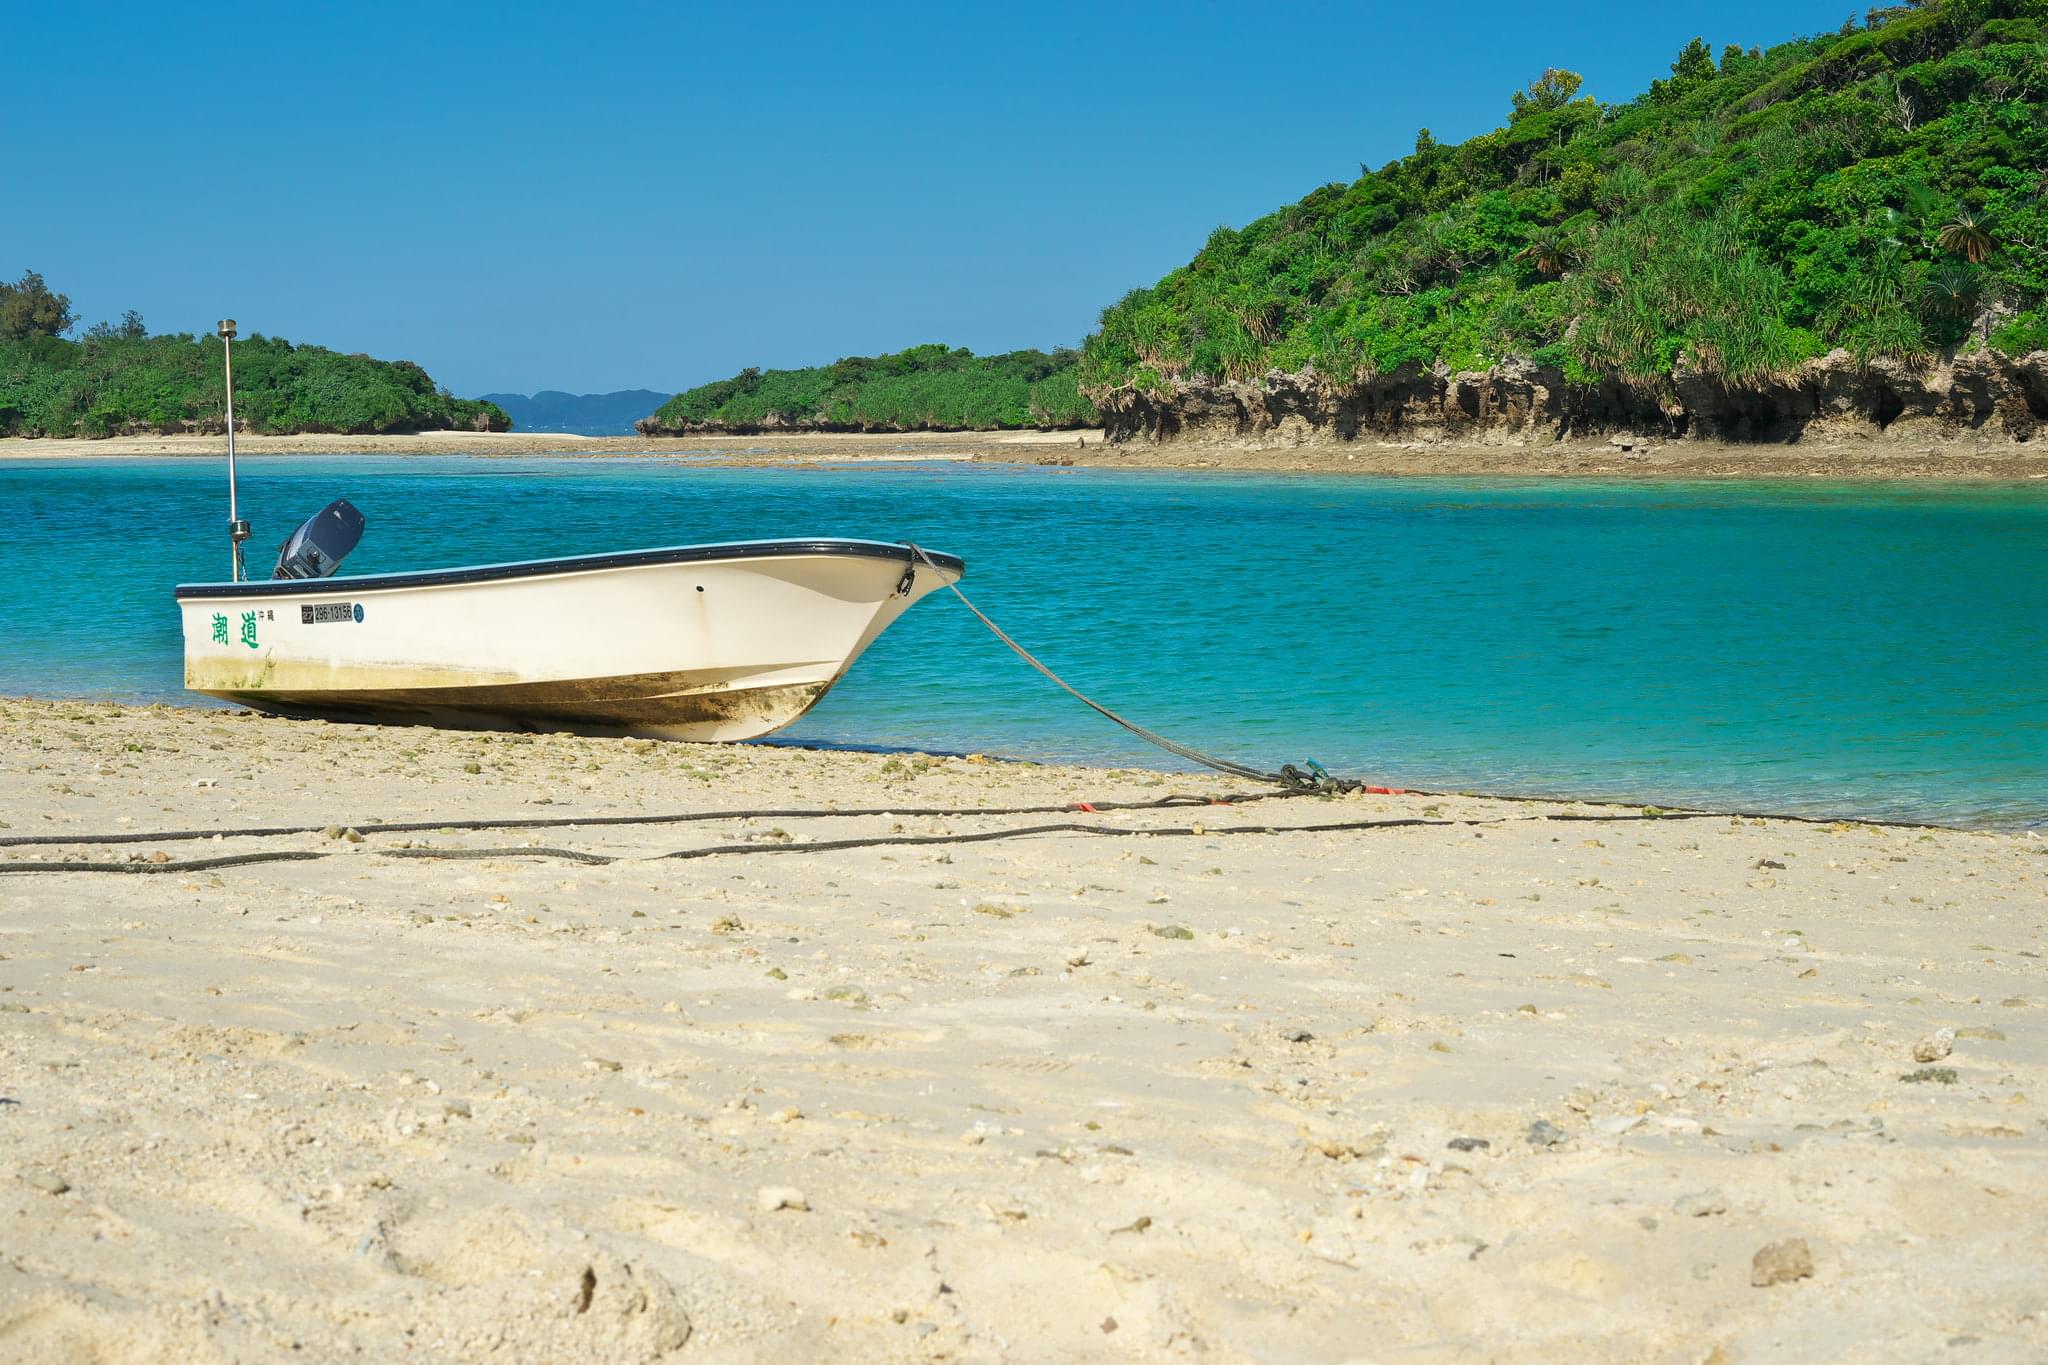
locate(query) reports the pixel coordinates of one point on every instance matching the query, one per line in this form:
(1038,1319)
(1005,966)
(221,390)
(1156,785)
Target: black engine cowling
(317,548)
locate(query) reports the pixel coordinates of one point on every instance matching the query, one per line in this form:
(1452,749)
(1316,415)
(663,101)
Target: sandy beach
(749,449)
(1961,459)
(1444,1079)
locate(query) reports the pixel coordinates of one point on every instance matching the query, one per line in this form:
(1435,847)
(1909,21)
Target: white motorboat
(703,642)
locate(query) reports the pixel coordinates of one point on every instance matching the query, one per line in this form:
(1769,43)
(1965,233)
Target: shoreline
(1960,461)
(2030,825)
(747,1052)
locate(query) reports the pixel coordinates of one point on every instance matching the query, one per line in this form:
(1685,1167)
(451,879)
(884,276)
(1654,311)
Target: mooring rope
(1288,776)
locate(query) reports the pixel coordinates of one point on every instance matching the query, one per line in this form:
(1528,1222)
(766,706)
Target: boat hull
(720,642)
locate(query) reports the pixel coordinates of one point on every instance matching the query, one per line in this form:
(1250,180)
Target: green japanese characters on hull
(250,620)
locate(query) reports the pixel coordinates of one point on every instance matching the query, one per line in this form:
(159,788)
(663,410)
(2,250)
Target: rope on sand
(666,818)
(189,865)
(839,845)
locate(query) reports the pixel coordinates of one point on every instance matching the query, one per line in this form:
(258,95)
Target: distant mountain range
(582,414)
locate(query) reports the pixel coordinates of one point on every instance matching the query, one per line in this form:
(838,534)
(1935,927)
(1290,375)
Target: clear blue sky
(523,196)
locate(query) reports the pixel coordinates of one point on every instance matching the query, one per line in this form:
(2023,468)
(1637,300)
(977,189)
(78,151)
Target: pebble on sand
(773,1198)
(1700,1204)
(1544,1133)
(49,1182)
(1935,1046)
(1781,1263)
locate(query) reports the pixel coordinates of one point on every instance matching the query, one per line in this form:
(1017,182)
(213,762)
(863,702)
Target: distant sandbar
(1601,457)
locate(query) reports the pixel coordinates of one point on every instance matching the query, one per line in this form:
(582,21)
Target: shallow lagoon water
(1837,649)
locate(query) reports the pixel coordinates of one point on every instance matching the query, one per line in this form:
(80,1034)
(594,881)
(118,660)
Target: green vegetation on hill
(1882,189)
(118,379)
(925,387)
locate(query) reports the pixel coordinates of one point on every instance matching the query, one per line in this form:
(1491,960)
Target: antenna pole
(238,530)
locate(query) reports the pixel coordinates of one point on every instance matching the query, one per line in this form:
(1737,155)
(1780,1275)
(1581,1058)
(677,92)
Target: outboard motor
(317,548)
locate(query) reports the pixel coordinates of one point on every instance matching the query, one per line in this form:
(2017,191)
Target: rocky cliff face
(775,424)
(1982,396)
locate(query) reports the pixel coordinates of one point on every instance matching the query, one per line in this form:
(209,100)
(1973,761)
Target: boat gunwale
(546,568)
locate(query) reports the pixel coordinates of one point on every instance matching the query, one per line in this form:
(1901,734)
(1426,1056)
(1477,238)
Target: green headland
(117,380)
(926,388)
(1851,227)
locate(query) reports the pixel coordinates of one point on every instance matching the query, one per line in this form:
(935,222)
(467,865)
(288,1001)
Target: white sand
(968,1102)
(1958,460)
(525,443)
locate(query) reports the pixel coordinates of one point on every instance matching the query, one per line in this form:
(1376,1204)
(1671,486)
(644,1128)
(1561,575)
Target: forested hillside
(118,379)
(1688,256)
(934,388)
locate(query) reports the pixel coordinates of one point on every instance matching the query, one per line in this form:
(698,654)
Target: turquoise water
(1816,648)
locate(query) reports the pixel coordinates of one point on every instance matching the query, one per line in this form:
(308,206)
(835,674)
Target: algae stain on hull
(688,706)
(217,675)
